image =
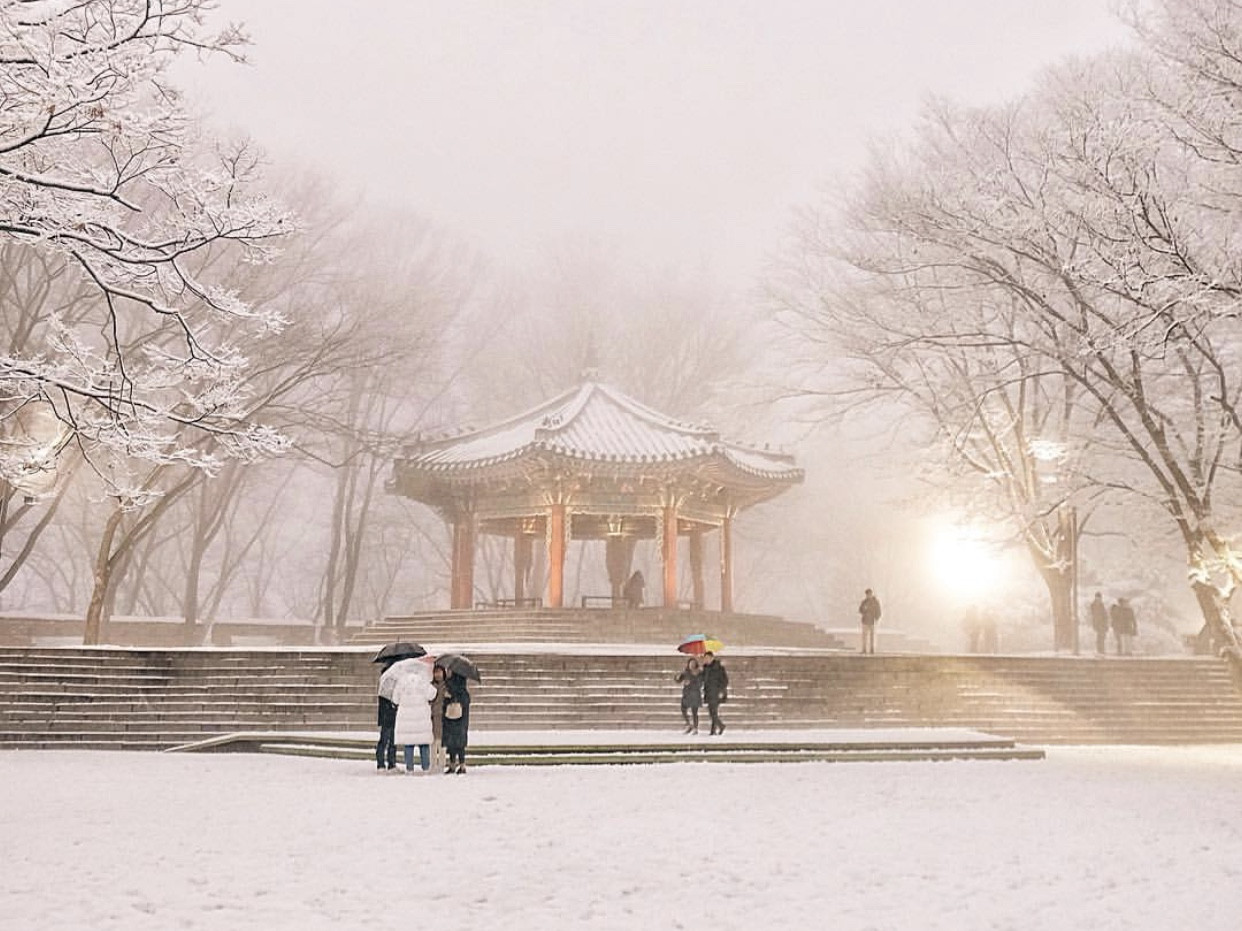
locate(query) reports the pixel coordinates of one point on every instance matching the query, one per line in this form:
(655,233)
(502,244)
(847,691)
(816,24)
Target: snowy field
(1110,838)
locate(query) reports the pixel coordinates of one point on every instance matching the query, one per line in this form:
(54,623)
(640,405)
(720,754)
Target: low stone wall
(65,630)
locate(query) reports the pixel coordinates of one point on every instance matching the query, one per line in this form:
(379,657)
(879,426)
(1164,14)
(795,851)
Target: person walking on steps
(691,679)
(715,689)
(869,616)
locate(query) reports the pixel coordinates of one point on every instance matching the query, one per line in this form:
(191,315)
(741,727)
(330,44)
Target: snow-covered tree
(102,168)
(1087,232)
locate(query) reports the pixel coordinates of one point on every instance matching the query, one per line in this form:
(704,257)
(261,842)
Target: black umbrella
(402,649)
(455,662)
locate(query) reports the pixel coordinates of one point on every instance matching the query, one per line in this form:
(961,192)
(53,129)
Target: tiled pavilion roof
(597,425)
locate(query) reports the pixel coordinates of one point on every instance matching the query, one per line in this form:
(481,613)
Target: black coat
(691,688)
(715,683)
(455,733)
(1099,616)
(387,713)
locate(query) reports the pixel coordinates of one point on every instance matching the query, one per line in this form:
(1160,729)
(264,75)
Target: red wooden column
(668,554)
(696,568)
(556,556)
(726,564)
(461,585)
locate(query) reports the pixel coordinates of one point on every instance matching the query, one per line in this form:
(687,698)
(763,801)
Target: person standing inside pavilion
(869,616)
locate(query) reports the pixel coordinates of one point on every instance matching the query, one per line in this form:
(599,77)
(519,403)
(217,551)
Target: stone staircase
(585,625)
(91,698)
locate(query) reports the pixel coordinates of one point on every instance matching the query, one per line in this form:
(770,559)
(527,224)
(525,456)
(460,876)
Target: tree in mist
(104,172)
(1001,421)
(1085,232)
(36,288)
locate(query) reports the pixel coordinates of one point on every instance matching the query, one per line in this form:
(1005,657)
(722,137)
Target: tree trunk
(1224,636)
(93,630)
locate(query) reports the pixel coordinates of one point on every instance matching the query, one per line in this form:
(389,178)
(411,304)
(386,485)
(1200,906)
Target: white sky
(670,134)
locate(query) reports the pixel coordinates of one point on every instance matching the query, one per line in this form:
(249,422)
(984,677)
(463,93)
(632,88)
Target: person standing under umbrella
(438,680)
(456,726)
(386,714)
(413,695)
(691,679)
(715,689)
(386,746)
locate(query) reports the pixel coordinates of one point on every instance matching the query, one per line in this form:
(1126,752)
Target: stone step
(60,691)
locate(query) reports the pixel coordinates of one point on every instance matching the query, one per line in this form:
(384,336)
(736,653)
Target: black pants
(690,714)
(386,747)
(713,708)
(456,756)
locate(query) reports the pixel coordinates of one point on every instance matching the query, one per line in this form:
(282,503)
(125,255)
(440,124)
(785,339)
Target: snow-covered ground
(1102,838)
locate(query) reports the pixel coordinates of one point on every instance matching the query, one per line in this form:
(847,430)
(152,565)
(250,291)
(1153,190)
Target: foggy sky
(665,132)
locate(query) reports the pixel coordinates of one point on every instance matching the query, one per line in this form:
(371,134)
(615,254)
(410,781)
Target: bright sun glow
(964,564)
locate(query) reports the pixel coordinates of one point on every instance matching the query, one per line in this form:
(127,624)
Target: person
(386,717)
(989,636)
(1124,624)
(635,590)
(691,679)
(456,730)
(1099,623)
(413,695)
(438,759)
(715,690)
(868,614)
(973,624)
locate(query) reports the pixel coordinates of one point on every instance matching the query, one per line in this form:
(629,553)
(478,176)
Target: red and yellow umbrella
(698,644)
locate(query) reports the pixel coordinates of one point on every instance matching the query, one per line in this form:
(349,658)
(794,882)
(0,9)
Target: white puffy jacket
(412,693)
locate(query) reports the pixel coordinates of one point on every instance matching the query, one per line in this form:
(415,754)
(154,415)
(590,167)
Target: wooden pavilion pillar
(696,568)
(521,565)
(726,563)
(461,577)
(668,554)
(556,556)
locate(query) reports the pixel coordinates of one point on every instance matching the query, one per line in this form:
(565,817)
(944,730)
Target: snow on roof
(595,423)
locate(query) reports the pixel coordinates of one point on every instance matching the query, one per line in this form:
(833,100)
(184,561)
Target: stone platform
(616,748)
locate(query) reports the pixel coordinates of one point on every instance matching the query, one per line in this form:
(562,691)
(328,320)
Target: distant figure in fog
(634,591)
(973,625)
(691,679)
(1099,623)
(1124,624)
(869,616)
(989,636)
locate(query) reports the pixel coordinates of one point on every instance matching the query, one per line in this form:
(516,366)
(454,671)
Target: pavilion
(591,464)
